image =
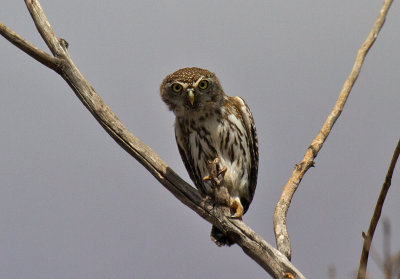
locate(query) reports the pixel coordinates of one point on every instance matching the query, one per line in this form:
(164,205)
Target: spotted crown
(188,75)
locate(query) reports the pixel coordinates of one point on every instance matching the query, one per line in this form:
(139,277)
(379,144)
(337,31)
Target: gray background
(73,204)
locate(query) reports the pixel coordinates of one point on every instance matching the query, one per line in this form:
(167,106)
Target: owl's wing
(253,145)
(188,161)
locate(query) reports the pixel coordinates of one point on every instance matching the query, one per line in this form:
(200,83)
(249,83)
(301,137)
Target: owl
(210,124)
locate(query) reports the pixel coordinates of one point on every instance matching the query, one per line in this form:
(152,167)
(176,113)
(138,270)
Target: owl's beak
(191,96)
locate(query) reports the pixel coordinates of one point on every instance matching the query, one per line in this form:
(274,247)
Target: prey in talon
(219,172)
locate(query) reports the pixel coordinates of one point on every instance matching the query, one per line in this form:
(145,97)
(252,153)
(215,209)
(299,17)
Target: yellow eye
(203,84)
(176,87)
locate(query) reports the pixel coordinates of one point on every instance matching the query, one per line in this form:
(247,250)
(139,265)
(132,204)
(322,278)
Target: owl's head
(191,90)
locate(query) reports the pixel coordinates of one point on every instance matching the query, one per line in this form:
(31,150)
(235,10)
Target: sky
(73,204)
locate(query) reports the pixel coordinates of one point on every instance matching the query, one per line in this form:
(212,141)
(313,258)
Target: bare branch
(281,233)
(377,213)
(376,258)
(276,264)
(332,272)
(396,264)
(387,264)
(44,27)
(38,54)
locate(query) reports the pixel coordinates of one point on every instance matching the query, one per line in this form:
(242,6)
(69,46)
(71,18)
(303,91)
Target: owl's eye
(176,87)
(203,84)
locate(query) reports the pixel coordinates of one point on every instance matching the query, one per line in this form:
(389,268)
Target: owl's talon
(206,178)
(237,207)
(237,216)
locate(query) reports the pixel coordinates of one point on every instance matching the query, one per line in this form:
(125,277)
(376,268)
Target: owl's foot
(206,178)
(237,208)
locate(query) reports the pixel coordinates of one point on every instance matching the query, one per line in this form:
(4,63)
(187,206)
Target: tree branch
(36,53)
(281,209)
(270,259)
(44,27)
(377,214)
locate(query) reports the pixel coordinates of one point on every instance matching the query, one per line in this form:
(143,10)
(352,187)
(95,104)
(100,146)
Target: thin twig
(387,262)
(332,272)
(281,209)
(396,264)
(376,257)
(38,54)
(269,258)
(44,27)
(377,213)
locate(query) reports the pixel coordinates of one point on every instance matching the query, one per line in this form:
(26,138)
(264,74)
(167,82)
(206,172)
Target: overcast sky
(73,204)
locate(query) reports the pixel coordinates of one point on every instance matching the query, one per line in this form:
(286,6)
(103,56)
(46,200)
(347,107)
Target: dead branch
(387,270)
(252,244)
(41,56)
(377,213)
(281,209)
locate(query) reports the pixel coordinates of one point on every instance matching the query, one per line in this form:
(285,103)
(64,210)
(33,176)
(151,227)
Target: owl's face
(190,90)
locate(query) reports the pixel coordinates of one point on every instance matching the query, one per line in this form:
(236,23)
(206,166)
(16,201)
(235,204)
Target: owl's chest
(205,137)
(222,136)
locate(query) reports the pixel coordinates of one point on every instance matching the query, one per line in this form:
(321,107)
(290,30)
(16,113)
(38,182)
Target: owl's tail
(219,238)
